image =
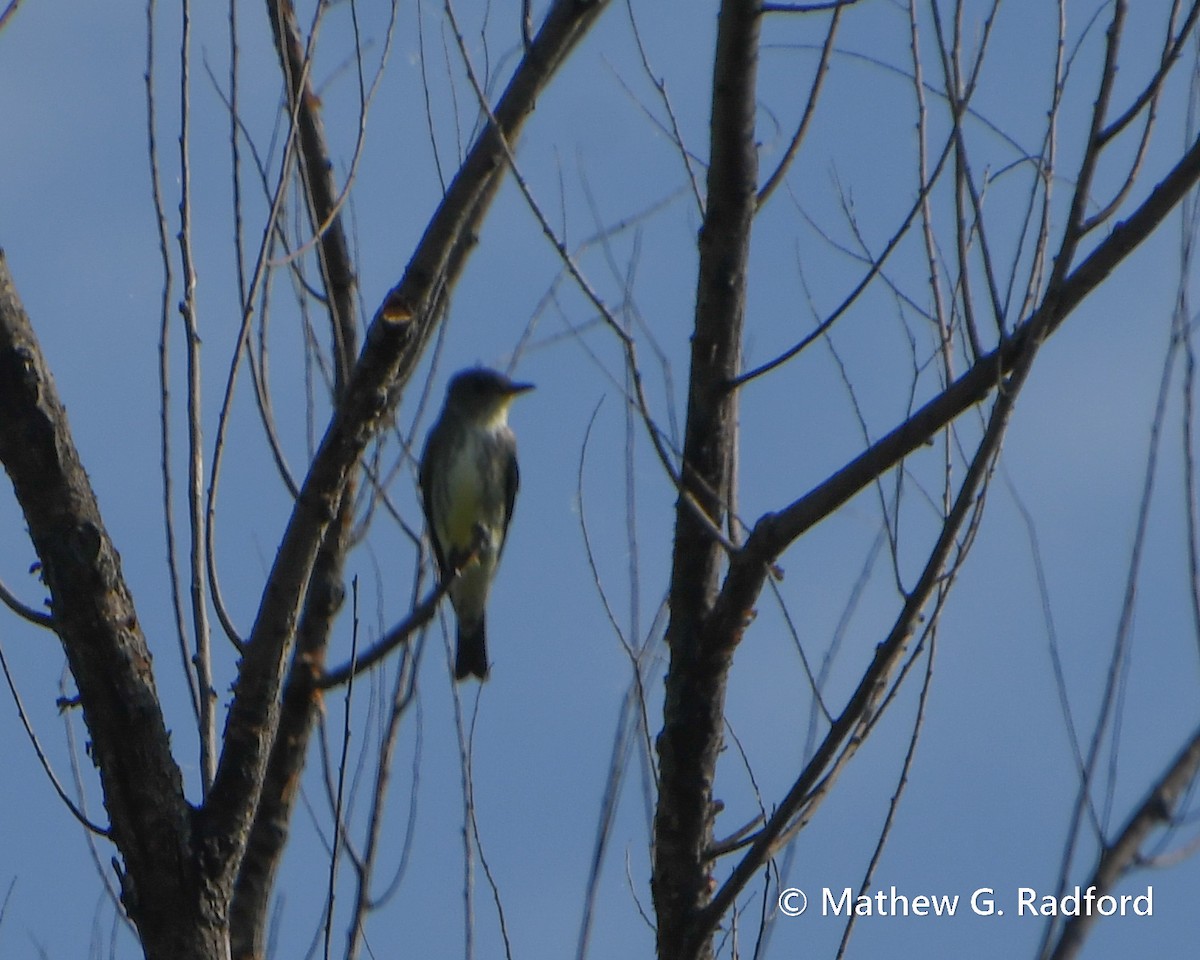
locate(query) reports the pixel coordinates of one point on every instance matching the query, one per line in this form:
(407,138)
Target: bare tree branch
(324,592)
(810,107)
(775,531)
(693,714)
(25,612)
(1122,855)
(164,367)
(399,635)
(320,189)
(95,619)
(6,15)
(1005,369)
(40,752)
(394,342)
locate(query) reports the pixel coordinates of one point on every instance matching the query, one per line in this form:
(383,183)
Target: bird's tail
(471,657)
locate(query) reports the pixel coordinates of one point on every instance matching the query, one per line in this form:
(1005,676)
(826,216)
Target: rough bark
(1160,807)
(169,887)
(774,532)
(180,863)
(394,343)
(411,310)
(693,713)
(250,911)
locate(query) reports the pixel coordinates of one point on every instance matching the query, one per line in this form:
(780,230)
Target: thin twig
(341,781)
(894,803)
(36,617)
(592,295)
(1109,715)
(164,367)
(1118,857)
(821,7)
(400,634)
(202,634)
(44,760)
(103,871)
(851,298)
(810,109)
(7,15)
(660,87)
(1060,681)
(1189,234)
(487,872)
(403,693)
(261,268)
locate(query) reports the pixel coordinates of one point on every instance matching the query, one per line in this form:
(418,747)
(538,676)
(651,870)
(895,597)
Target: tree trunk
(693,713)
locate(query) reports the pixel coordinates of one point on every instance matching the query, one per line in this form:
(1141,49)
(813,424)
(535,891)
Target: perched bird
(468,484)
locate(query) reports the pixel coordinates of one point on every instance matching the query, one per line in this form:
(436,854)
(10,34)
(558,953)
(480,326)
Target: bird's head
(481,392)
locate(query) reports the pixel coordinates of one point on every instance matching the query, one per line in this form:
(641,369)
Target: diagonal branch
(95,619)
(402,326)
(775,531)
(323,595)
(810,109)
(401,634)
(1003,369)
(849,730)
(1122,855)
(316,165)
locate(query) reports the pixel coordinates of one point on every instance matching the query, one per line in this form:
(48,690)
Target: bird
(469,479)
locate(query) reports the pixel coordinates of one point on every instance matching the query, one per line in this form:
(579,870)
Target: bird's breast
(474,492)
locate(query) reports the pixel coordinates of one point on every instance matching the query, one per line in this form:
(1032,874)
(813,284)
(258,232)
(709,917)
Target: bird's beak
(517,388)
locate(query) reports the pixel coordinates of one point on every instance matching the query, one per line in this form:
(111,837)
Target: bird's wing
(512,480)
(427,503)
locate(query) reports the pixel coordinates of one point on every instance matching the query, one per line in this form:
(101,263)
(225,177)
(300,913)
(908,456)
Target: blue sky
(989,793)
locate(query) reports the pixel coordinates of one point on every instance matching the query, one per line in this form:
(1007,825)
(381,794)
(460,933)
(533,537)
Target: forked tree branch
(95,619)
(402,326)
(774,532)
(693,713)
(175,856)
(323,596)
(1122,855)
(316,165)
(850,728)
